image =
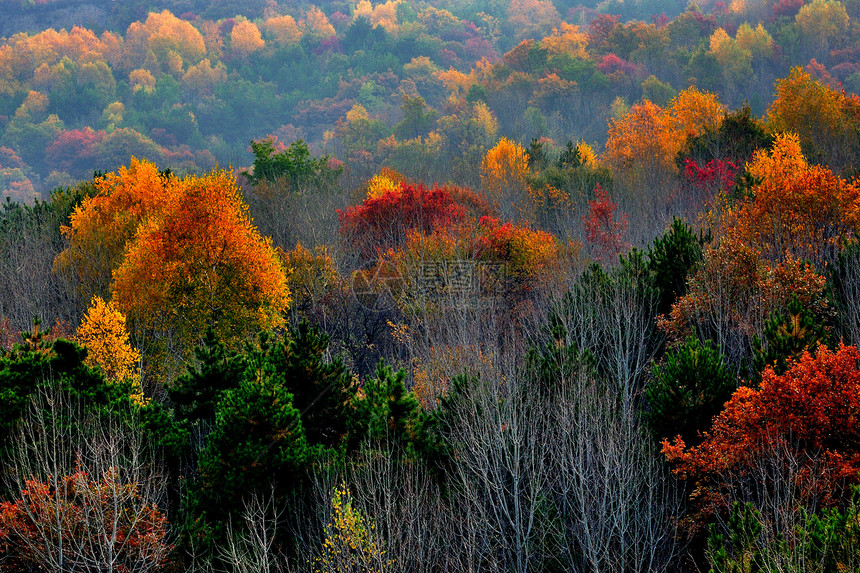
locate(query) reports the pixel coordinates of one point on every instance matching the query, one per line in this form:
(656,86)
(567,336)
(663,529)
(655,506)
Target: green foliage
(743,555)
(823,542)
(294,164)
(258,440)
(196,393)
(788,333)
(40,362)
(417,120)
(387,411)
(672,258)
(687,390)
(738,137)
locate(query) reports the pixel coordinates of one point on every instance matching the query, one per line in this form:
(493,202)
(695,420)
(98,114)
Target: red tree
(809,417)
(602,230)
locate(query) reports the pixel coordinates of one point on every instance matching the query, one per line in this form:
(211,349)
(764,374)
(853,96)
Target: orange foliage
(201,263)
(812,413)
(797,208)
(177,255)
(101,227)
(649,138)
(96,517)
(735,287)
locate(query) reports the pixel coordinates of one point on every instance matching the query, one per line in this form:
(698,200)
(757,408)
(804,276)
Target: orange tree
(825,120)
(177,255)
(793,207)
(806,421)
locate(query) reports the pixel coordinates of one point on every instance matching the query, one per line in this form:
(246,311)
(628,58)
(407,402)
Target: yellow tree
(827,121)
(822,21)
(246,38)
(104,334)
(504,172)
(284,30)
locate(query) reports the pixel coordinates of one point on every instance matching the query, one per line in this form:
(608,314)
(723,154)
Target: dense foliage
(520,286)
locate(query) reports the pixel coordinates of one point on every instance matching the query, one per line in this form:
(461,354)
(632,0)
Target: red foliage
(602,230)
(75,149)
(383,223)
(101,522)
(788,8)
(600,28)
(612,64)
(716,176)
(809,416)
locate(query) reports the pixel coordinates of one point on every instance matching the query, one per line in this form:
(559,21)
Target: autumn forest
(430,286)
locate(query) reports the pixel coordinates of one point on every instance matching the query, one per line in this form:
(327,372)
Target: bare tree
(616,500)
(252,549)
(500,470)
(89,490)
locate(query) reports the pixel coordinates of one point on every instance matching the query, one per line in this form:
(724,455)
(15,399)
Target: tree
(86,492)
(810,413)
(504,173)
(798,208)
(788,333)
(824,119)
(104,334)
(245,38)
(381,223)
(672,258)
(177,255)
(822,21)
(601,228)
(687,390)
(293,164)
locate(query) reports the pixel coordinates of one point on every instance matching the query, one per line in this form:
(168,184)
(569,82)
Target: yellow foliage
(160,34)
(104,334)
(312,274)
(504,169)
(317,24)
(141,80)
(691,112)
(357,113)
(566,39)
(284,30)
(351,542)
(386,181)
(203,77)
(756,41)
(385,15)
(246,38)
(587,156)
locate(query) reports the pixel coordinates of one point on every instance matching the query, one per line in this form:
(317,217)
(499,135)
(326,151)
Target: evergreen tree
(789,333)
(672,258)
(687,390)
